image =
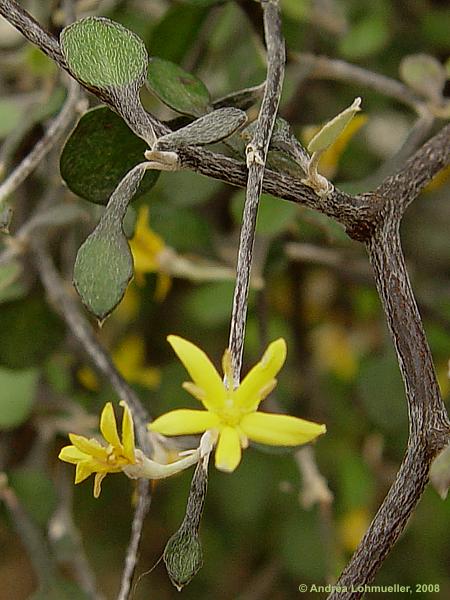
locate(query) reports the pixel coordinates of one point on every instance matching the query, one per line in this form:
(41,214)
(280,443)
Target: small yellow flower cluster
(230,420)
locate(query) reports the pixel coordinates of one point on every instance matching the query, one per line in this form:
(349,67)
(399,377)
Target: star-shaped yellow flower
(90,456)
(230,410)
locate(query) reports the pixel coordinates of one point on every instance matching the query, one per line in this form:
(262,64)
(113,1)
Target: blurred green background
(259,539)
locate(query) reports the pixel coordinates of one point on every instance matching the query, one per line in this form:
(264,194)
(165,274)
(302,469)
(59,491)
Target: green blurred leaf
(274,215)
(333,129)
(381,391)
(366,37)
(209,304)
(36,493)
(424,74)
(17,392)
(11,114)
(99,153)
(177,31)
(296,9)
(177,88)
(435,25)
(60,589)
(24,318)
(10,286)
(103,54)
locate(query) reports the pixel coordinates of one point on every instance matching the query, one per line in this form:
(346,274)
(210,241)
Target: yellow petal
(108,426)
(84,469)
(90,447)
(129,355)
(128,434)
(99,477)
(201,370)
(184,422)
(249,393)
(279,430)
(228,451)
(72,455)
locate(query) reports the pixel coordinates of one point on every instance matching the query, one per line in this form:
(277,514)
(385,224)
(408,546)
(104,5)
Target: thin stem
(256,158)
(131,558)
(45,144)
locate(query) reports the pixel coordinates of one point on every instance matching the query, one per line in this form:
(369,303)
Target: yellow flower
(90,456)
(232,410)
(147,248)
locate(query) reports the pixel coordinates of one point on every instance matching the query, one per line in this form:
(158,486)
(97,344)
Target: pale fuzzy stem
(256,160)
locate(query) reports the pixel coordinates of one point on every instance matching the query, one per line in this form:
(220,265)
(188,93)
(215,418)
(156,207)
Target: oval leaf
(210,128)
(17,392)
(333,129)
(103,268)
(424,74)
(103,54)
(177,88)
(99,153)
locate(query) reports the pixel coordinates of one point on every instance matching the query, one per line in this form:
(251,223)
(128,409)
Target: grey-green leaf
(242,99)
(333,129)
(424,74)
(177,88)
(103,268)
(210,128)
(183,557)
(104,264)
(103,54)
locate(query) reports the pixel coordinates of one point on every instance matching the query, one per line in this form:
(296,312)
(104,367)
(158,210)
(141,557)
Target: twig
(256,159)
(322,67)
(131,558)
(84,333)
(45,144)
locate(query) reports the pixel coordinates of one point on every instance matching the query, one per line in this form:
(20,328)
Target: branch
(428,420)
(257,152)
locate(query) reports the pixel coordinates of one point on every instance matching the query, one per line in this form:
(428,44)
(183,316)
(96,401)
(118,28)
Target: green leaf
(103,268)
(177,88)
(424,74)
(211,128)
(17,392)
(36,493)
(333,129)
(103,54)
(17,320)
(99,153)
(104,263)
